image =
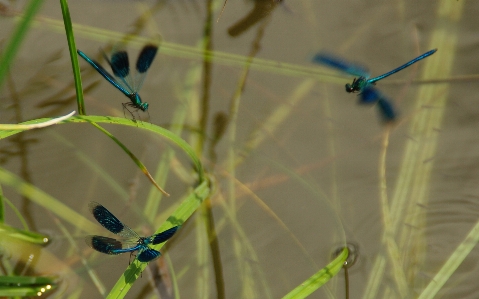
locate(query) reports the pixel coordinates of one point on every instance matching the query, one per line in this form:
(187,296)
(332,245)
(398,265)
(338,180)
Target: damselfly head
(349,88)
(143,106)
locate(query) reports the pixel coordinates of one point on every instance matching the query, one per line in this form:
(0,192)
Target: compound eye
(349,88)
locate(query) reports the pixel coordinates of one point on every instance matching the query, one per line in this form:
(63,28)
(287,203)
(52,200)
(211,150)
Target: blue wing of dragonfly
(370,95)
(420,57)
(104,73)
(110,222)
(130,241)
(145,59)
(386,110)
(163,236)
(120,65)
(147,254)
(340,64)
(110,245)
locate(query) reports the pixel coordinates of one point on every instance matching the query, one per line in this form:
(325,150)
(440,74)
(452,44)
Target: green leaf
(320,278)
(23,235)
(25,285)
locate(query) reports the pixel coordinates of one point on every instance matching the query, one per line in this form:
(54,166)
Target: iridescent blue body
(365,86)
(121,69)
(130,241)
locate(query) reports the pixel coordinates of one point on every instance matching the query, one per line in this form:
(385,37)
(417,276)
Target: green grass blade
(25,280)
(46,123)
(73,56)
(17,37)
(108,181)
(2,206)
(122,121)
(22,235)
(450,266)
(320,278)
(185,93)
(133,157)
(114,120)
(25,285)
(74,244)
(45,200)
(271,124)
(17,213)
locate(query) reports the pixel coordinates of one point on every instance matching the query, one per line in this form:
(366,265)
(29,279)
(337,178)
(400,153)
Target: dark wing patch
(106,218)
(148,255)
(369,95)
(103,244)
(120,64)
(146,58)
(340,64)
(164,236)
(387,110)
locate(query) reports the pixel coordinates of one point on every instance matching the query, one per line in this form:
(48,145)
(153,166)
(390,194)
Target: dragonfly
(130,241)
(120,66)
(365,85)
